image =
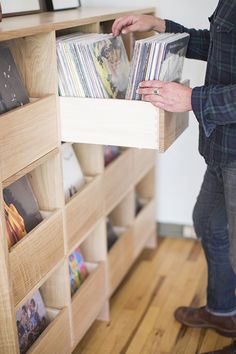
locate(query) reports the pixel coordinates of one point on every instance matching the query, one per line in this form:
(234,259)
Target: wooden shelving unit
(30,144)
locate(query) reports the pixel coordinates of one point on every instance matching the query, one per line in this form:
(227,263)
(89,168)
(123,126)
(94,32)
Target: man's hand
(170,96)
(138,23)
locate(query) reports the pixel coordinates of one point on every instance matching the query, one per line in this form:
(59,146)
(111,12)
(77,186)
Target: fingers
(131,28)
(155,100)
(150,91)
(120,25)
(152,83)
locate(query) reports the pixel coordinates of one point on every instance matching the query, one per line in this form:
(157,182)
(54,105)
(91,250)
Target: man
(214,106)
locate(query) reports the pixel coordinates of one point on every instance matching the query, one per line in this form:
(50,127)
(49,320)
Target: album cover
(92,65)
(77,269)
(110,153)
(160,57)
(112,65)
(73,178)
(31,321)
(12,91)
(21,210)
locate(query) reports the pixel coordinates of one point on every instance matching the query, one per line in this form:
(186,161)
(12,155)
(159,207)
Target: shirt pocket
(224,27)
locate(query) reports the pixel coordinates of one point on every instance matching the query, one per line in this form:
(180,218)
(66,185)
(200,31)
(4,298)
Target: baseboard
(176,230)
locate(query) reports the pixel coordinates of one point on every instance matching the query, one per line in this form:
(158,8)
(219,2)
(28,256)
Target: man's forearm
(198,43)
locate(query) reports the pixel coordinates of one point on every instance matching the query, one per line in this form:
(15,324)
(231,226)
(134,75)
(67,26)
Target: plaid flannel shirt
(214,104)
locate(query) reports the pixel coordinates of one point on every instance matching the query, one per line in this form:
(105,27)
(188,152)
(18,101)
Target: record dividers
(35,56)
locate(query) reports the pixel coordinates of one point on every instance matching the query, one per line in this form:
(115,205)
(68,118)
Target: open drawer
(119,122)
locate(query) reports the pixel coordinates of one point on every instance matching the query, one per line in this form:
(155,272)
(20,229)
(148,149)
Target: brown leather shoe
(230,349)
(201,318)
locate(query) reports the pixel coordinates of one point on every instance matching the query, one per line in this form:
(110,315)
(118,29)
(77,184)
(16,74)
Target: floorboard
(142,320)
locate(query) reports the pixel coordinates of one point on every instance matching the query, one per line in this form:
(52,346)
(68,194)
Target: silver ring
(155,92)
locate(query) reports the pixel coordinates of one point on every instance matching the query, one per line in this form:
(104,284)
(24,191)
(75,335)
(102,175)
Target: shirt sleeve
(198,43)
(214,105)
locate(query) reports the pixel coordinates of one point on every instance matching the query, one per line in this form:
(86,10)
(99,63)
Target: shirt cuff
(198,99)
(173,27)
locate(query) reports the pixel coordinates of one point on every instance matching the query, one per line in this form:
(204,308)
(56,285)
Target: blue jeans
(214,218)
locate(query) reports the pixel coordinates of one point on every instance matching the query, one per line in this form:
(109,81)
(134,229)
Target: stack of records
(92,65)
(159,57)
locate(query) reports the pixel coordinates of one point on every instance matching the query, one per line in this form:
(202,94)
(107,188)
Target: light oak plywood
(56,337)
(26,134)
(35,57)
(171,126)
(83,211)
(124,212)
(119,122)
(46,181)
(146,186)
(91,158)
(22,26)
(40,260)
(35,255)
(118,179)
(94,247)
(144,160)
(88,302)
(8,330)
(59,280)
(29,168)
(144,227)
(120,258)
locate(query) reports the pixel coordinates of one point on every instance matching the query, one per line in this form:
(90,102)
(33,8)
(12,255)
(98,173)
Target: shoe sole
(215,328)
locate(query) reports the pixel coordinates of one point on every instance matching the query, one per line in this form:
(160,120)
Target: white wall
(181,168)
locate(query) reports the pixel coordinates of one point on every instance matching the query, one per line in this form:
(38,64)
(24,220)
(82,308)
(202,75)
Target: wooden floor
(142,308)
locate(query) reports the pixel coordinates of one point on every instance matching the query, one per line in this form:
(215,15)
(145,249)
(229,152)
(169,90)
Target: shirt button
(218,28)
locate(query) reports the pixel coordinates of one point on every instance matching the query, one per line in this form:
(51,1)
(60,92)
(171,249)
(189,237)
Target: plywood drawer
(56,338)
(36,254)
(88,301)
(119,122)
(26,134)
(144,160)
(118,179)
(120,258)
(144,226)
(83,211)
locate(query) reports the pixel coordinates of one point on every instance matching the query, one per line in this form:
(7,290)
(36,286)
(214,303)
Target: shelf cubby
(116,179)
(83,211)
(57,312)
(36,254)
(144,226)
(91,297)
(41,249)
(59,329)
(120,256)
(89,300)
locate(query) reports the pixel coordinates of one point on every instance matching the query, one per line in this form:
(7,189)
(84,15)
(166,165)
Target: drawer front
(26,134)
(36,254)
(127,123)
